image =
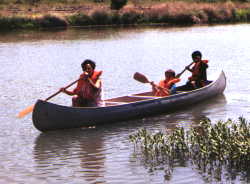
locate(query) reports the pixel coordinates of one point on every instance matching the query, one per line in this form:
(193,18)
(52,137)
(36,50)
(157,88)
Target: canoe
(48,116)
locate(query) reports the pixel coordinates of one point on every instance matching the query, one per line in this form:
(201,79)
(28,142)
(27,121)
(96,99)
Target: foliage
(115,18)
(51,21)
(224,146)
(100,18)
(131,17)
(79,20)
(7,23)
(171,13)
(117,4)
(242,15)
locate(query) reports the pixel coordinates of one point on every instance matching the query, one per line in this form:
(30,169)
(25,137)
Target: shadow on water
(75,149)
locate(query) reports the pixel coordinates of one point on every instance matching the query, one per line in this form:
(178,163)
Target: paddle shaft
(30,108)
(184,70)
(59,91)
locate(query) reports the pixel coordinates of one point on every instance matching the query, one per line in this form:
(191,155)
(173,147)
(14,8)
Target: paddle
(179,75)
(30,108)
(141,78)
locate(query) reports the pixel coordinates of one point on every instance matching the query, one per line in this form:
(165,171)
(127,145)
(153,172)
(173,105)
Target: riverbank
(21,16)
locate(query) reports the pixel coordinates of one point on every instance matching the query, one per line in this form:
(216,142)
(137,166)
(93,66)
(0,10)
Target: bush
(16,23)
(151,17)
(217,149)
(242,15)
(115,18)
(100,18)
(49,21)
(131,17)
(80,20)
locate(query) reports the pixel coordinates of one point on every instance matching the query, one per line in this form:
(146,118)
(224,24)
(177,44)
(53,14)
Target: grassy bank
(45,14)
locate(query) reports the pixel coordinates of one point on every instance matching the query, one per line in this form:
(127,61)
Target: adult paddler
(88,90)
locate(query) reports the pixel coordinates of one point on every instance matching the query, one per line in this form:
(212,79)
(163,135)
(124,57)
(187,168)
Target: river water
(35,65)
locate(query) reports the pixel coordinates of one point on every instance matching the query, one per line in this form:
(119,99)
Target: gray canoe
(48,116)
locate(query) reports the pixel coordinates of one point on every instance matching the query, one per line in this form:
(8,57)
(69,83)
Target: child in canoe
(199,71)
(167,86)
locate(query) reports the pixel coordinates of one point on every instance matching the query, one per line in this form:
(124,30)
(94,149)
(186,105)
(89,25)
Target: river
(35,65)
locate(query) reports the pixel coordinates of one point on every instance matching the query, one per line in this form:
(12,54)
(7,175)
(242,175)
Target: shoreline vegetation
(39,14)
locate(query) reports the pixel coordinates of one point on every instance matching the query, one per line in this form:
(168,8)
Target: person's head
(169,74)
(88,66)
(196,56)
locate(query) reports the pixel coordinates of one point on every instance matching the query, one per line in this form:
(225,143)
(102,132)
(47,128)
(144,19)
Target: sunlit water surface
(35,65)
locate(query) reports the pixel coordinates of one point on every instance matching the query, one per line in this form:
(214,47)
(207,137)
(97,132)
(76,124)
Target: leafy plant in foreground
(216,149)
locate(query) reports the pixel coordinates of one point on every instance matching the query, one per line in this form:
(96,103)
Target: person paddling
(88,89)
(198,70)
(167,86)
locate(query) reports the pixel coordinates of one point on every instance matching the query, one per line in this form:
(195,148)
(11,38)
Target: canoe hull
(48,116)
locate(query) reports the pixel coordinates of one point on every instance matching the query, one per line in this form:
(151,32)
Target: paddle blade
(25,111)
(141,78)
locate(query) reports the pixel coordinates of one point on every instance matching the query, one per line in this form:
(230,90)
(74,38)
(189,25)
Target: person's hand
(63,90)
(85,75)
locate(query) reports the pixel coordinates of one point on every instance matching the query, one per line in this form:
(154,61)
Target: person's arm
(96,85)
(71,93)
(154,87)
(190,69)
(75,91)
(158,88)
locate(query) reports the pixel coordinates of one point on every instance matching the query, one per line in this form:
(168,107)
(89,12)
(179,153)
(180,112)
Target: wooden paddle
(141,78)
(30,108)
(179,75)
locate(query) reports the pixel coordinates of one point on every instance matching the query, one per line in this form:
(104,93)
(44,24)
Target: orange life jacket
(166,84)
(196,70)
(85,90)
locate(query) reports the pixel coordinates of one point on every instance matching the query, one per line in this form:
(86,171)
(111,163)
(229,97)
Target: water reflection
(191,115)
(101,33)
(69,34)
(80,151)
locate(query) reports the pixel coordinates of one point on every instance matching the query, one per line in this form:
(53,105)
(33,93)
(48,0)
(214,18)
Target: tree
(118,4)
